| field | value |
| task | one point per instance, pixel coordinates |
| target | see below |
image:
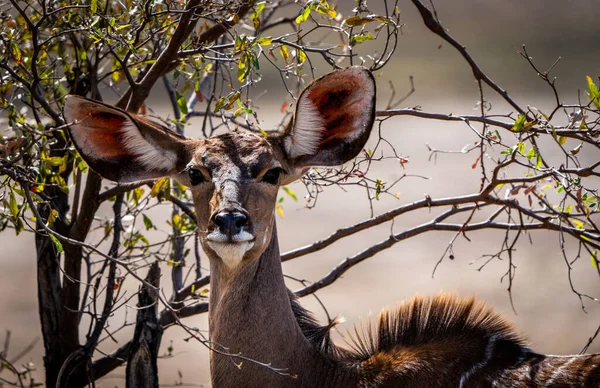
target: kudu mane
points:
(413, 323)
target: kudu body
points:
(234, 178)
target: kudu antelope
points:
(426, 342)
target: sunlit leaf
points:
(52, 217)
(57, 243)
(519, 123)
(593, 93)
(290, 192)
(219, 104)
(303, 16)
(182, 104)
(12, 204)
(356, 39)
(358, 20)
(379, 185)
(284, 53)
(160, 185)
(264, 41)
(301, 56)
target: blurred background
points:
(547, 312)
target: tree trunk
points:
(142, 368)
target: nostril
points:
(240, 220)
(221, 221)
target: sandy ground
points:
(547, 312)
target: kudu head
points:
(233, 177)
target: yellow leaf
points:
(284, 53)
(301, 56)
(52, 217)
(357, 20)
(265, 41)
(159, 186)
(279, 210)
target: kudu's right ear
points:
(121, 146)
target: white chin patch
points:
(231, 252)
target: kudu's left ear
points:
(333, 120)
(121, 146)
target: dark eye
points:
(196, 176)
(272, 176)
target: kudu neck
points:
(250, 314)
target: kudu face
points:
(233, 177)
(234, 180)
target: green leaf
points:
(594, 259)
(57, 243)
(539, 162)
(265, 41)
(519, 123)
(219, 104)
(55, 161)
(356, 39)
(182, 104)
(593, 93)
(379, 185)
(509, 151)
(12, 205)
(303, 16)
(147, 222)
(498, 135)
(290, 192)
(16, 51)
(94, 6)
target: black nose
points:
(230, 223)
